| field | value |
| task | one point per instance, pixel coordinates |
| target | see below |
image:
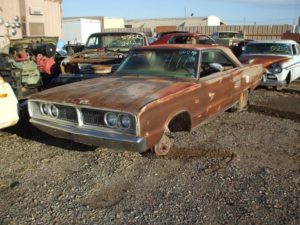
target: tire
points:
(243, 102)
(163, 147)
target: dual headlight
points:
(49, 110)
(118, 120)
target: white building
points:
(77, 30)
(176, 22)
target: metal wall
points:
(255, 32)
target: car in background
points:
(184, 38)
(281, 59)
(102, 53)
(156, 90)
(228, 38)
(161, 34)
(9, 114)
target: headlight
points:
(44, 109)
(111, 119)
(125, 121)
(54, 111)
(276, 68)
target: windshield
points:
(170, 62)
(118, 40)
(268, 48)
(231, 35)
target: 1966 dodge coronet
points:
(156, 90)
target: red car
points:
(184, 38)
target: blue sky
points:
(232, 12)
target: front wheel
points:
(163, 147)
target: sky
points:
(232, 12)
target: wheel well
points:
(181, 122)
(288, 78)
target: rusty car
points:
(281, 59)
(102, 53)
(184, 38)
(9, 114)
(156, 90)
(228, 38)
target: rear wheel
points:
(163, 147)
(242, 103)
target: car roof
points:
(234, 32)
(184, 34)
(117, 32)
(184, 46)
(273, 41)
(192, 47)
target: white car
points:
(280, 58)
(9, 114)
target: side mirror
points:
(216, 67)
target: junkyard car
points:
(228, 38)
(156, 90)
(280, 58)
(8, 105)
(102, 53)
(184, 38)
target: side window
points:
(172, 40)
(93, 42)
(214, 61)
(294, 49)
(215, 36)
(297, 49)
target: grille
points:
(90, 117)
(67, 113)
(93, 117)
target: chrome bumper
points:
(270, 82)
(116, 141)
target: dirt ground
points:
(240, 168)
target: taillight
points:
(3, 93)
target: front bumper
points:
(116, 141)
(272, 80)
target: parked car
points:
(9, 115)
(161, 34)
(102, 53)
(156, 90)
(184, 38)
(228, 38)
(281, 59)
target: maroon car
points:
(184, 38)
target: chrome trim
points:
(79, 121)
(106, 121)
(79, 116)
(117, 141)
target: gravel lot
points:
(240, 168)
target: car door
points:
(215, 94)
(295, 62)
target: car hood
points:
(97, 56)
(265, 60)
(127, 93)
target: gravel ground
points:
(240, 168)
